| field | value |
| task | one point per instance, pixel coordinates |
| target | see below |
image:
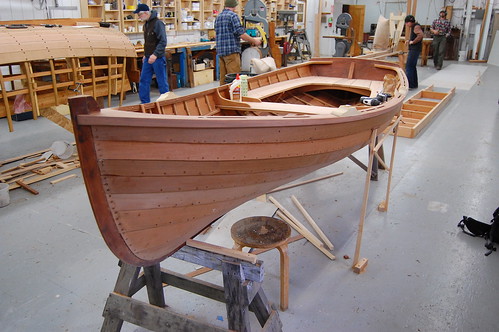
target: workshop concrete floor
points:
(423, 274)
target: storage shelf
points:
(202, 12)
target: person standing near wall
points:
(440, 28)
(229, 32)
(415, 42)
(154, 60)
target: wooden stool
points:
(265, 233)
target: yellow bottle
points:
(235, 89)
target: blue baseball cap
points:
(142, 7)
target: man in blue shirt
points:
(229, 32)
(154, 60)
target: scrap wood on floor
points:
(39, 166)
(291, 220)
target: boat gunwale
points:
(107, 117)
(137, 116)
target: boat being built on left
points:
(44, 65)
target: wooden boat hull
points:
(156, 180)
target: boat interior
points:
(325, 87)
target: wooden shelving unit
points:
(285, 5)
(211, 9)
(166, 12)
(180, 15)
(190, 15)
(96, 11)
(301, 16)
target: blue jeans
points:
(158, 68)
(410, 68)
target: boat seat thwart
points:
(254, 106)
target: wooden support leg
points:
(236, 297)
(364, 201)
(123, 81)
(126, 278)
(260, 307)
(283, 251)
(383, 206)
(6, 102)
(154, 285)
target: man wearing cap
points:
(229, 32)
(440, 28)
(154, 60)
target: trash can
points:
(4, 194)
(230, 77)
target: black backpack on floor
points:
(490, 232)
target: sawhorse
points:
(241, 292)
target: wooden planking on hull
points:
(156, 179)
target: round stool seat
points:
(260, 232)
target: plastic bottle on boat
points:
(244, 85)
(235, 89)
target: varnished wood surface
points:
(36, 42)
(158, 174)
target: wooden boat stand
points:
(241, 291)
(375, 146)
(376, 164)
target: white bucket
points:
(462, 56)
(4, 194)
(62, 149)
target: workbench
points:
(424, 52)
(185, 52)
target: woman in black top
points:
(415, 46)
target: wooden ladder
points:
(241, 292)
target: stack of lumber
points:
(38, 168)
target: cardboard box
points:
(202, 77)
(199, 66)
